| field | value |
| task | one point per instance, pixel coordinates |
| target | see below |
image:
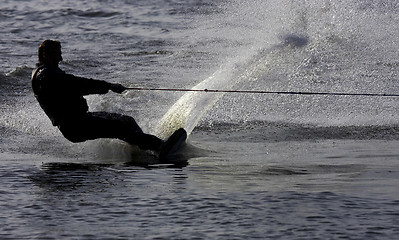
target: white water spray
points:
(188, 110)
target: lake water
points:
(257, 166)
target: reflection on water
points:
(70, 176)
(55, 176)
(204, 200)
(298, 189)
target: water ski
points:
(171, 146)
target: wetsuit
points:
(60, 95)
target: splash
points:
(245, 44)
(189, 109)
(295, 46)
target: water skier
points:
(60, 95)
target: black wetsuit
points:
(60, 95)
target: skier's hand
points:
(118, 88)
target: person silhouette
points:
(61, 96)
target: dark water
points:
(256, 167)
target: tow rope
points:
(264, 92)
